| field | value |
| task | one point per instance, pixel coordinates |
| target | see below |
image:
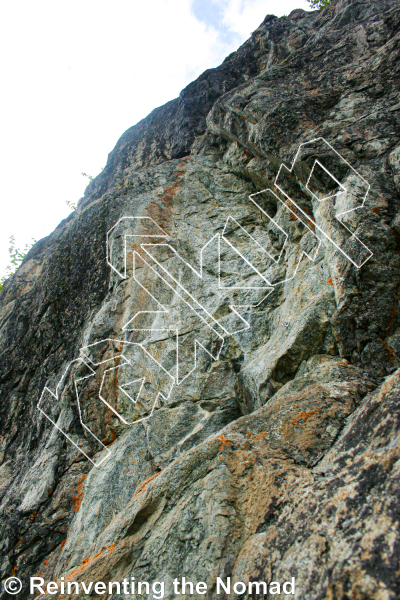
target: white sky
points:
(76, 74)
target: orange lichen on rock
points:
(388, 348)
(393, 313)
(330, 281)
(162, 214)
(304, 416)
(252, 437)
(109, 440)
(77, 498)
(255, 436)
(142, 486)
(33, 517)
(88, 560)
(225, 442)
(295, 256)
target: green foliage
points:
(320, 3)
(88, 176)
(70, 204)
(16, 258)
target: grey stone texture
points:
(280, 459)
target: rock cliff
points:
(271, 448)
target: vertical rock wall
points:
(280, 458)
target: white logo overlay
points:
(12, 585)
(237, 270)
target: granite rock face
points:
(278, 455)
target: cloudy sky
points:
(75, 75)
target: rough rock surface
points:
(281, 458)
